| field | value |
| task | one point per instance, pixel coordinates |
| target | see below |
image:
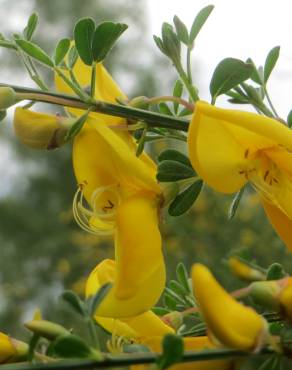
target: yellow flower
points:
(133, 327)
(229, 148)
(11, 350)
(123, 198)
(285, 298)
(231, 323)
(147, 328)
(118, 195)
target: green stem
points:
(134, 359)
(191, 90)
(93, 78)
(153, 119)
(93, 334)
(189, 69)
(270, 102)
(158, 99)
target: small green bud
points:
(265, 293)
(174, 319)
(141, 102)
(46, 329)
(7, 97)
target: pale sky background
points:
(239, 29)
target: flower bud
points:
(40, 131)
(11, 350)
(243, 270)
(230, 322)
(7, 97)
(173, 319)
(141, 102)
(46, 329)
(265, 293)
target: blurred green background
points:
(42, 251)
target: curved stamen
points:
(85, 217)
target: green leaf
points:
(74, 301)
(76, 127)
(160, 311)
(183, 202)
(229, 73)
(289, 119)
(31, 26)
(164, 109)
(273, 362)
(105, 36)
(255, 76)
(177, 92)
(170, 170)
(235, 203)
(70, 346)
(177, 287)
(174, 155)
(173, 350)
(200, 21)
(35, 52)
(169, 301)
(61, 50)
(159, 44)
(83, 36)
(182, 276)
(171, 43)
(72, 57)
(270, 62)
(276, 271)
(94, 301)
(181, 30)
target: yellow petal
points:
(232, 324)
(214, 152)
(270, 130)
(102, 158)
(147, 324)
(140, 270)
(106, 88)
(7, 350)
(280, 221)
